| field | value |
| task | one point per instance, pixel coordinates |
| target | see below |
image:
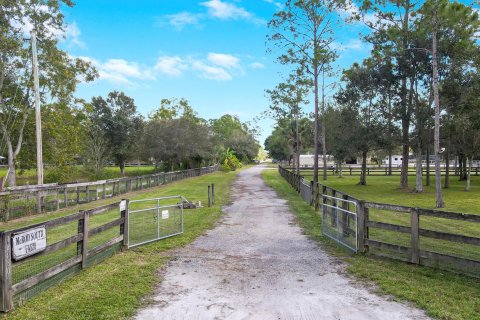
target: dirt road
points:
(257, 264)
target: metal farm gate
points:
(339, 221)
(154, 219)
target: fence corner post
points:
(6, 296)
(124, 226)
(361, 226)
(415, 238)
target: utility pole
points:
(38, 120)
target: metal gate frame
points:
(158, 218)
(338, 226)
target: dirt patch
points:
(257, 264)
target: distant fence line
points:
(27, 200)
(441, 239)
(384, 171)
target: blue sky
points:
(211, 52)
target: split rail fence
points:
(383, 171)
(75, 242)
(22, 201)
(440, 239)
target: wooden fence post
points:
(361, 226)
(414, 224)
(85, 240)
(312, 191)
(124, 226)
(209, 196)
(334, 211)
(213, 194)
(104, 190)
(65, 196)
(6, 296)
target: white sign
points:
(123, 205)
(165, 214)
(29, 242)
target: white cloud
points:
(72, 34)
(182, 19)
(173, 66)
(120, 71)
(276, 4)
(257, 65)
(224, 60)
(211, 72)
(225, 11)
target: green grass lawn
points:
(115, 288)
(78, 173)
(442, 294)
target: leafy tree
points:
(286, 99)
(178, 142)
(64, 132)
(59, 73)
(120, 123)
(304, 31)
(232, 133)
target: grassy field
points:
(79, 174)
(115, 288)
(442, 294)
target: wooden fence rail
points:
(22, 201)
(68, 253)
(382, 171)
(441, 239)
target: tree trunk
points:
(469, 160)
(12, 177)
(340, 168)
(324, 146)
(363, 174)
(464, 167)
(405, 148)
(315, 129)
(418, 174)
(297, 141)
(447, 170)
(436, 99)
(390, 162)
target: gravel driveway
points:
(257, 264)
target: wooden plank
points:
(450, 215)
(124, 227)
(104, 208)
(385, 245)
(105, 246)
(386, 206)
(106, 226)
(53, 223)
(30, 282)
(415, 238)
(388, 226)
(448, 259)
(449, 237)
(361, 226)
(53, 247)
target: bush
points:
(231, 163)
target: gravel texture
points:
(257, 264)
